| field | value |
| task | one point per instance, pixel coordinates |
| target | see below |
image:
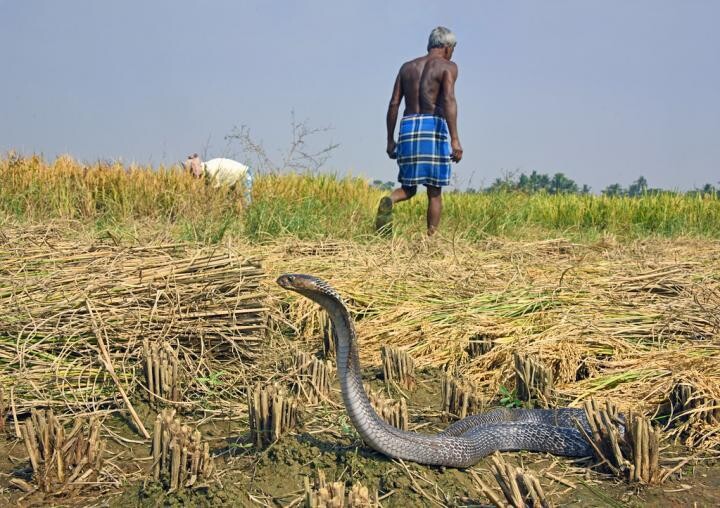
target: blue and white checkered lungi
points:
(423, 151)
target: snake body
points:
(463, 443)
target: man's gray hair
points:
(441, 37)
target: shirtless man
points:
(428, 138)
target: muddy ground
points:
(326, 441)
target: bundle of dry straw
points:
(57, 296)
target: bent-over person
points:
(428, 139)
(222, 172)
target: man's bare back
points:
(421, 82)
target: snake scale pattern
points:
(463, 443)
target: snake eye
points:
(286, 281)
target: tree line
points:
(560, 184)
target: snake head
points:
(297, 281)
(307, 285)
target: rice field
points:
(119, 199)
(140, 306)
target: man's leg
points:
(434, 208)
(403, 193)
(383, 219)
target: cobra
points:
(463, 443)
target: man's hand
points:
(457, 151)
(392, 149)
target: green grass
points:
(115, 199)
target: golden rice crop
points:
(324, 206)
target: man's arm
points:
(450, 109)
(392, 114)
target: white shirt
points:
(224, 171)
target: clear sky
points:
(603, 91)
